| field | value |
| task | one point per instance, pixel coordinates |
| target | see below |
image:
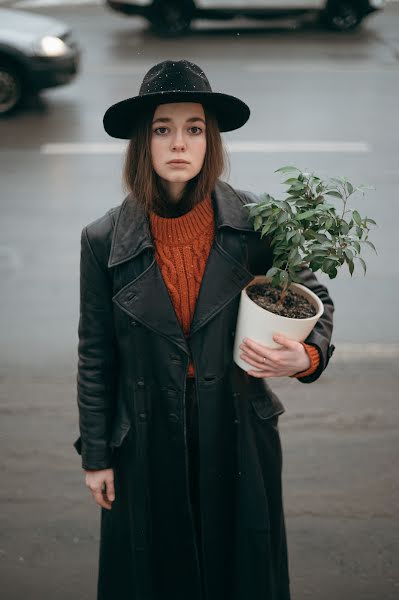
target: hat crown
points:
(173, 76)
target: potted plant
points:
(306, 230)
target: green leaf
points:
(282, 218)
(287, 205)
(351, 266)
(257, 222)
(315, 265)
(305, 215)
(371, 221)
(283, 277)
(359, 232)
(357, 218)
(370, 244)
(265, 229)
(344, 228)
(348, 253)
(334, 194)
(287, 169)
(329, 222)
(300, 203)
(297, 186)
(349, 188)
(266, 212)
(322, 238)
(272, 272)
(297, 238)
(363, 263)
(291, 180)
(295, 193)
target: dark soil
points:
(294, 305)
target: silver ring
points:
(264, 359)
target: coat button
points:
(140, 382)
(133, 323)
(174, 417)
(143, 416)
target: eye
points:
(198, 128)
(158, 128)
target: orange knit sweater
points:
(182, 248)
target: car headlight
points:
(51, 46)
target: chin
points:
(179, 178)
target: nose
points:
(178, 142)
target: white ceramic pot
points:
(260, 325)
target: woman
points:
(181, 447)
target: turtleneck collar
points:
(176, 231)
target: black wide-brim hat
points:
(174, 81)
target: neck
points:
(171, 206)
(174, 190)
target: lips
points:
(178, 162)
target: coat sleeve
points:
(320, 336)
(260, 259)
(96, 374)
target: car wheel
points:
(342, 15)
(10, 89)
(171, 18)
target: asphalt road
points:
(336, 98)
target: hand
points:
(291, 358)
(96, 480)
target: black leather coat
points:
(133, 360)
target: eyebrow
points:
(168, 120)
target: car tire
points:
(171, 18)
(342, 15)
(11, 89)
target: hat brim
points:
(120, 118)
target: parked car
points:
(173, 17)
(36, 52)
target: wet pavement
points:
(59, 171)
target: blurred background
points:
(321, 79)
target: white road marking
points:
(44, 3)
(300, 146)
(234, 147)
(117, 70)
(77, 148)
(320, 68)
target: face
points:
(178, 133)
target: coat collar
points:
(132, 230)
(146, 299)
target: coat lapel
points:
(146, 297)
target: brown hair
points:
(141, 180)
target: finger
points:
(256, 360)
(110, 490)
(263, 373)
(284, 340)
(99, 499)
(260, 349)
